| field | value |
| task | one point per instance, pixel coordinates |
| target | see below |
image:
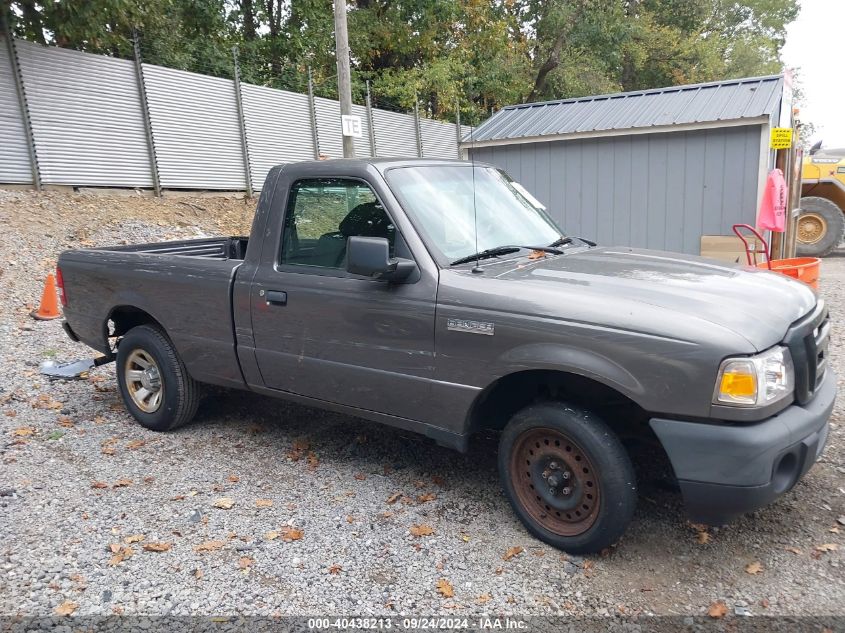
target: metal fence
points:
(73, 118)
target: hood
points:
(755, 304)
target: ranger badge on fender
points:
(473, 327)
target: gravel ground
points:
(322, 505)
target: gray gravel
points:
(79, 479)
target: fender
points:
(574, 361)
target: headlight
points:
(755, 381)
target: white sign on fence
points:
(351, 125)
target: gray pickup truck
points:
(439, 297)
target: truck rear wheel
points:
(820, 227)
(567, 476)
(153, 381)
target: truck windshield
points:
(443, 200)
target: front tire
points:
(155, 386)
(819, 228)
(567, 476)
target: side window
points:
(322, 213)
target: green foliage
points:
(474, 54)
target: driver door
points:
(324, 333)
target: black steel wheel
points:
(567, 476)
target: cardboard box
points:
(728, 248)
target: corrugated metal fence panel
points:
(328, 127)
(396, 133)
(14, 155)
(278, 129)
(195, 129)
(362, 144)
(439, 139)
(86, 117)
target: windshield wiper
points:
(503, 250)
(563, 241)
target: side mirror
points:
(370, 257)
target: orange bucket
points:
(804, 269)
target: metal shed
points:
(655, 168)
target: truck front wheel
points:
(820, 227)
(567, 476)
(153, 381)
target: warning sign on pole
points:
(781, 138)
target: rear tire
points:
(820, 227)
(155, 386)
(567, 476)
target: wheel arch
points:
(123, 318)
(494, 406)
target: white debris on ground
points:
(265, 507)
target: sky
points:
(814, 47)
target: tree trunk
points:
(552, 62)
(248, 12)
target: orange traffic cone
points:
(49, 308)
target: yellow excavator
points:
(821, 222)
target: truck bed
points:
(209, 247)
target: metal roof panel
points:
(746, 98)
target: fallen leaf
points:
(764, 603)
(393, 498)
(513, 551)
(233, 478)
(429, 496)
(135, 444)
(537, 255)
(437, 480)
(107, 446)
(99, 484)
(445, 588)
(23, 431)
(65, 421)
(198, 573)
(271, 536)
(483, 598)
(360, 476)
(263, 503)
(421, 530)
(312, 460)
(122, 483)
(224, 503)
(120, 554)
(350, 518)
(209, 546)
(135, 538)
(587, 565)
(244, 562)
(827, 547)
(702, 537)
(157, 546)
(178, 498)
(717, 610)
(794, 550)
(754, 568)
(835, 529)
(66, 608)
(289, 534)
(335, 569)
(148, 479)
(465, 538)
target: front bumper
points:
(726, 471)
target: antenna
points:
(477, 268)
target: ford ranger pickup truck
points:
(440, 297)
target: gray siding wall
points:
(661, 191)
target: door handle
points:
(276, 297)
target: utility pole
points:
(344, 80)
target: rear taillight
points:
(60, 282)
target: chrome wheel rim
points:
(811, 228)
(143, 381)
